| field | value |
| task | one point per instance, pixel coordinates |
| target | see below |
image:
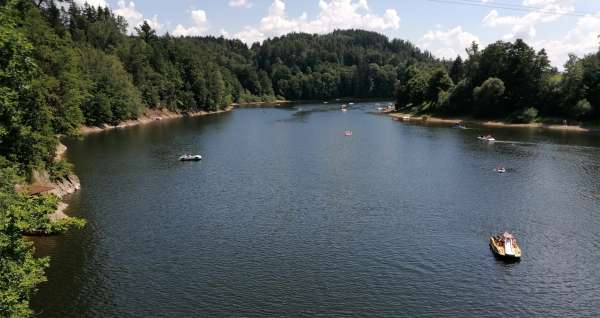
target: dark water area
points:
(286, 216)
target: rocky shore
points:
(150, 116)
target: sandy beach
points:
(487, 123)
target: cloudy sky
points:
(445, 27)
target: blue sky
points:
(445, 27)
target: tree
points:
(488, 96)
(581, 109)
(145, 32)
(20, 272)
(113, 97)
(457, 70)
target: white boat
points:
(344, 110)
(348, 133)
(190, 158)
(486, 138)
(350, 103)
(500, 169)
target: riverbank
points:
(254, 104)
(488, 123)
(150, 116)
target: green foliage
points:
(502, 81)
(112, 96)
(581, 109)
(340, 64)
(59, 170)
(20, 272)
(526, 115)
(488, 97)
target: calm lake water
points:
(286, 216)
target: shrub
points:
(487, 96)
(59, 170)
(581, 109)
(526, 115)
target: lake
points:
(285, 216)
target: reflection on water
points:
(287, 217)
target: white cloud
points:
(240, 3)
(93, 3)
(581, 40)
(249, 35)
(544, 11)
(333, 14)
(134, 17)
(447, 44)
(200, 25)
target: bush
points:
(442, 105)
(526, 115)
(59, 170)
(488, 96)
(581, 109)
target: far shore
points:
(274, 103)
(150, 116)
(153, 115)
(488, 123)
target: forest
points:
(63, 66)
(507, 81)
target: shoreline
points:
(160, 114)
(487, 123)
(252, 104)
(150, 116)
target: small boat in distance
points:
(486, 138)
(459, 126)
(344, 110)
(350, 103)
(189, 157)
(505, 246)
(500, 169)
(348, 133)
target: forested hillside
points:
(504, 81)
(351, 63)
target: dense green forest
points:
(504, 81)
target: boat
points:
(344, 106)
(348, 133)
(486, 138)
(325, 102)
(350, 103)
(500, 169)
(344, 110)
(505, 246)
(459, 126)
(190, 158)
